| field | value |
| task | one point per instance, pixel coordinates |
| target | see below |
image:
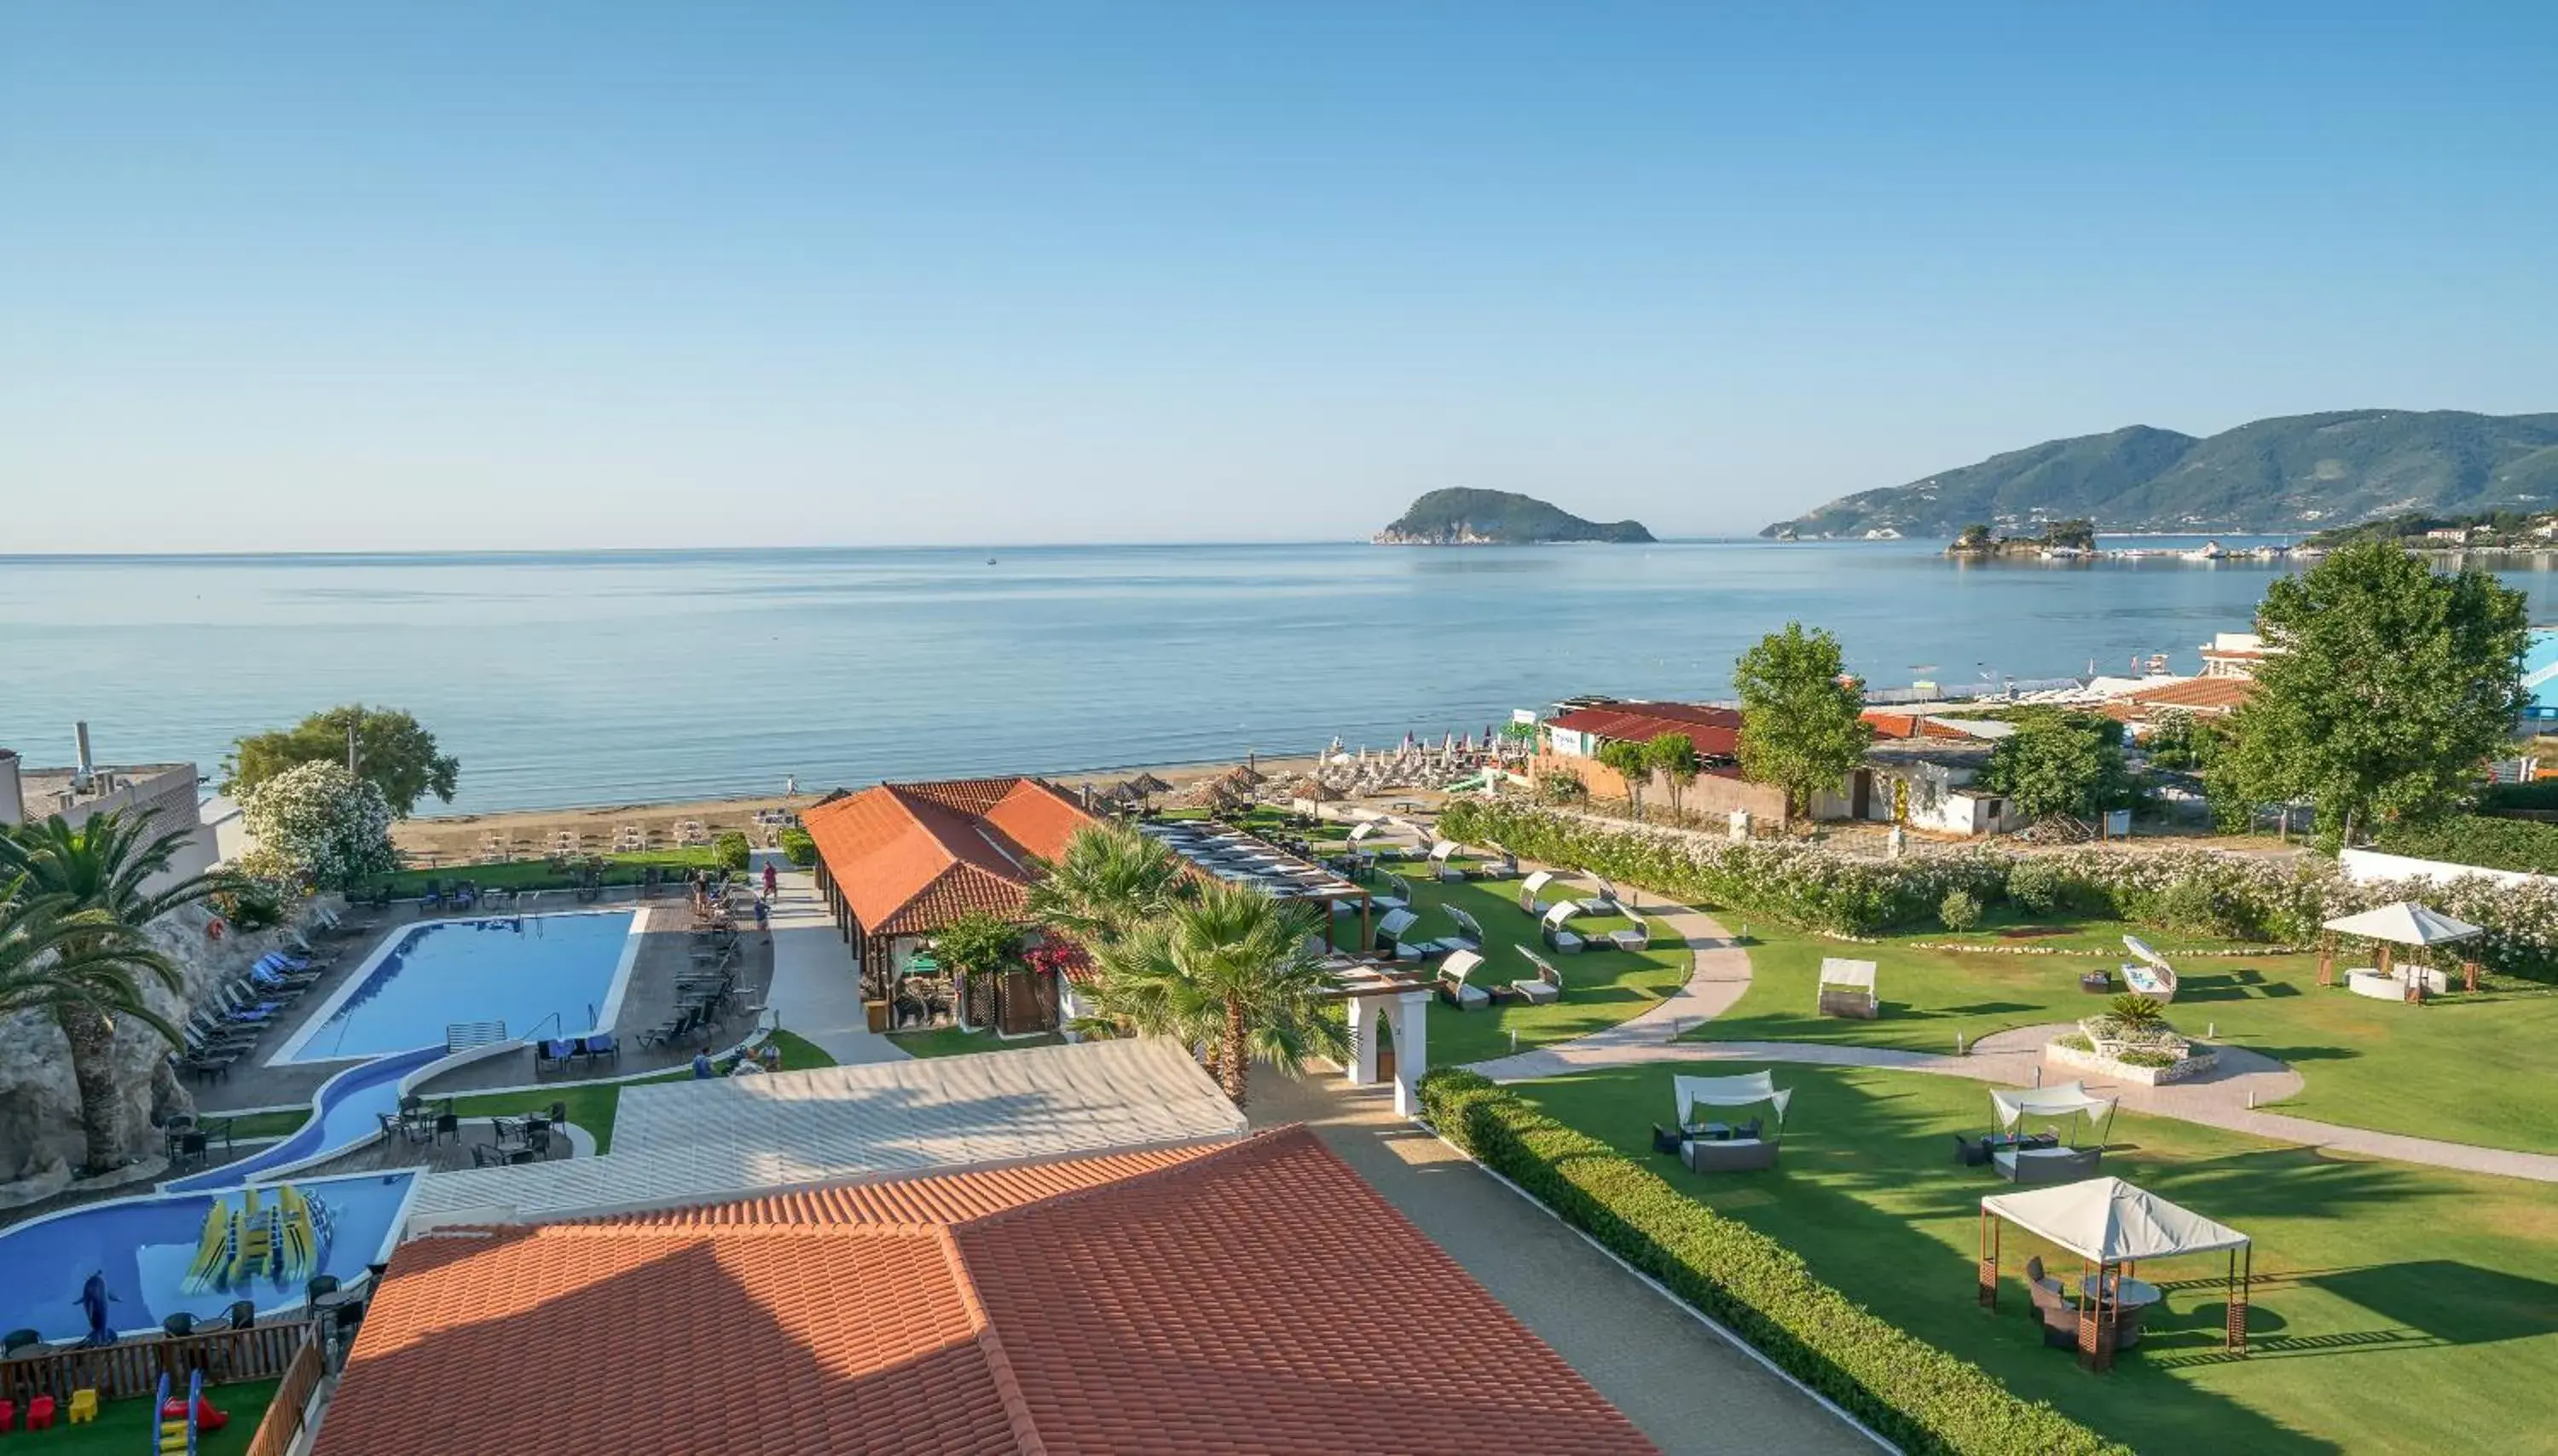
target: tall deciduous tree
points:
(1632, 763)
(1675, 754)
(1800, 723)
(2393, 685)
(105, 868)
(1232, 970)
(394, 752)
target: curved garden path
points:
(2013, 1058)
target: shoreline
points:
(461, 837)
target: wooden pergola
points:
(1221, 850)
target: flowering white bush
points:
(319, 826)
(2192, 891)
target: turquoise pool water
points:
(144, 1246)
(556, 974)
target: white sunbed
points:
(1391, 930)
(1451, 981)
(1545, 986)
(1398, 894)
(1529, 889)
(1637, 936)
(1440, 854)
(1470, 931)
(1604, 902)
(1557, 938)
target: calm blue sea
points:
(615, 677)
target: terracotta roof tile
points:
(1716, 732)
(913, 858)
(1133, 1304)
(2199, 694)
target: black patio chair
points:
(242, 1314)
(17, 1340)
(178, 1326)
(1665, 1140)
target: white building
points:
(169, 793)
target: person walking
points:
(771, 880)
(764, 918)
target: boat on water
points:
(2208, 551)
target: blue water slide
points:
(345, 1110)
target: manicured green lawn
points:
(2366, 1063)
(1600, 987)
(591, 1106)
(2397, 1309)
(128, 1427)
(950, 1041)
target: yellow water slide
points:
(213, 1263)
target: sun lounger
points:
(600, 1047)
(552, 1055)
(1529, 890)
(1545, 987)
(2031, 1165)
(1636, 937)
(1452, 987)
(1391, 932)
(1441, 853)
(1399, 895)
(1470, 931)
(1550, 927)
(1604, 902)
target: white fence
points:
(2362, 866)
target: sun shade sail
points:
(2405, 923)
(1730, 1092)
(2067, 1099)
(2110, 1221)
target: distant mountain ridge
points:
(1461, 517)
(2294, 472)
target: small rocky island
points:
(2058, 538)
(1460, 517)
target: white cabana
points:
(2405, 924)
(2061, 1100)
(1846, 988)
(1604, 902)
(1730, 1092)
(2148, 972)
(1453, 985)
(2023, 1158)
(1531, 887)
(1550, 925)
(2113, 1226)
(1442, 856)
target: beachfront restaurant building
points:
(900, 863)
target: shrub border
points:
(1914, 1395)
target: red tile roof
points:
(914, 857)
(2198, 695)
(1229, 1299)
(1716, 732)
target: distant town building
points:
(2235, 654)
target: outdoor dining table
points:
(2128, 1290)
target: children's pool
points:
(146, 1248)
(559, 975)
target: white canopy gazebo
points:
(2112, 1226)
(1721, 1148)
(2020, 1162)
(1846, 988)
(2404, 924)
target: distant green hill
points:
(2297, 472)
(1460, 517)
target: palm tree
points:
(1110, 880)
(41, 967)
(1231, 970)
(105, 865)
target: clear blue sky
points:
(486, 274)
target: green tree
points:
(318, 825)
(392, 753)
(51, 956)
(105, 868)
(1802, 727)
(1231, 970)
(1675, 754)
(978, 945)
(1633, 764)
(2178, 739)
(2058, 763)
(1109, 879)
(1974, 537)
(2394, 685)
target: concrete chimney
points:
(13, 808)
(82, 767)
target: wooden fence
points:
(132, 1367)
(283, 1422)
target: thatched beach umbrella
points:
(1147, 783)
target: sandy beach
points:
(463, 838)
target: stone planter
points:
(2197, 1063)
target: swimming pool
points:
(145, 1248)
(557, 974)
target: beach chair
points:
(1392, 931)
(601, 1047)
(1399, 895)
(552, 1055)
(1543, 988)
(1469, 932)
(1550, 927)
(1441, 855)
(1532, 891)
(1453, 988)
(1604, 902)
(1636, 937)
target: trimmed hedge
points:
(799, 847)
(2467, 839)
(732, 850)
(1914, 1395)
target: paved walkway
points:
(1688, 1388)
(816, 991)
(2226, 1099)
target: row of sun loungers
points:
(229, 1022)
(564, 1053)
